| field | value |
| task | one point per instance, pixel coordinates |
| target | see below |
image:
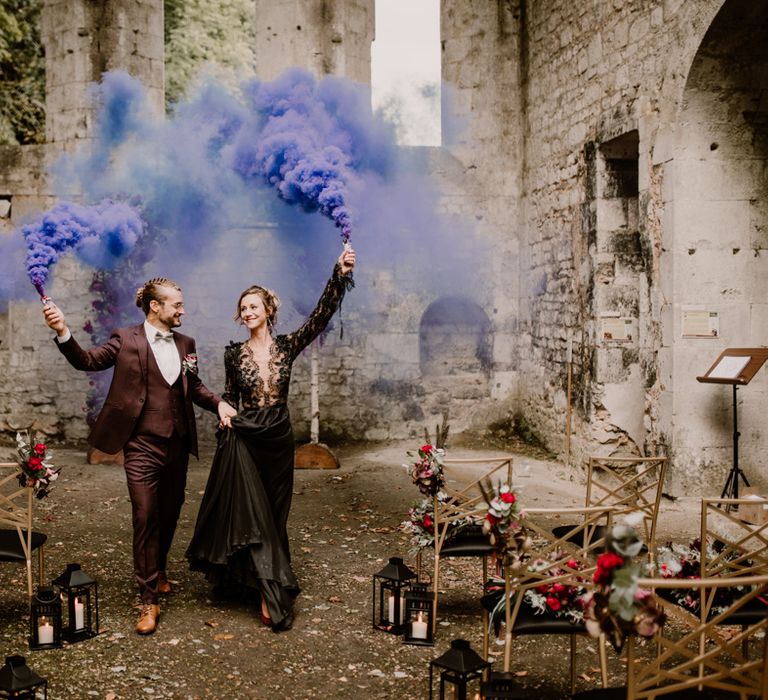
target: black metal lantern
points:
(20, 682)
(502, 686)
(45, 619)
(80, 593)
(389, 588)
(458, 667)
(419, 610)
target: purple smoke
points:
(100, 235)
(308, 141)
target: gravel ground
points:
(344, 525)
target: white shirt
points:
(165, 352)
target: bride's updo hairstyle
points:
(268, 297)
(151, 292)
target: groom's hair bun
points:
(150, 291)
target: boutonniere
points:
(189, 363)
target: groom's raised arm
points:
(93, 360)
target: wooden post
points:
(314, 395)
(314, 455)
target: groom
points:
(148, 414)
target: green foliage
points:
(22, 73)
(212, 35)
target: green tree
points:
(22, 73)
(213, 35)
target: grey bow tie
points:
(159, 335)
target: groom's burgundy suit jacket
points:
(128, 351)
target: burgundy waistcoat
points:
(164, 408)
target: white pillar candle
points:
(419, 628)
(79, 615)
(391, 609)
(45, 631)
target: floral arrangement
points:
(684, 562)
(560, 600)
(37, 472)
(189, 363)
(427, 469)
(421, 524)
(503, 524)
(618, 606)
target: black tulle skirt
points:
(240, 536)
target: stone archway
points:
(454, 342)
(716, 247)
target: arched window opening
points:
(454, 339)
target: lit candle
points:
(79, 616)
(45, 631)
(419, 627)
(391, 612)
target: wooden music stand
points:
(735, 366)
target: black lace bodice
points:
(244, 382)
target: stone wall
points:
(327, 37)
(599, 72)
(611, 159)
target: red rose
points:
(572, 564)
(491, 518)
(35, 463)
(508, 497)
(39, 449)
(553, 603)
(558, 588)
(606, 563)
(426, 449)
(427, 522)
(543, 588)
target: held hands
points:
(347, 261)
(55, 318)
(225, 414)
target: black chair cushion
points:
(468, 542)
(754, 611)
(530, 621)
(10, 545)
(580, 539)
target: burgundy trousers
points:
(156, 470)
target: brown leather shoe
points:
(148, 618)
(164, 586)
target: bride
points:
(241, 536)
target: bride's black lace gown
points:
(241, 535)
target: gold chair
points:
(687, 662)
(17, 539)
(463, 502)
(632, 485)
(736, 549)
(566, 564)
(739, 548)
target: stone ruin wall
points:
(603, 77)
(557, 94)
